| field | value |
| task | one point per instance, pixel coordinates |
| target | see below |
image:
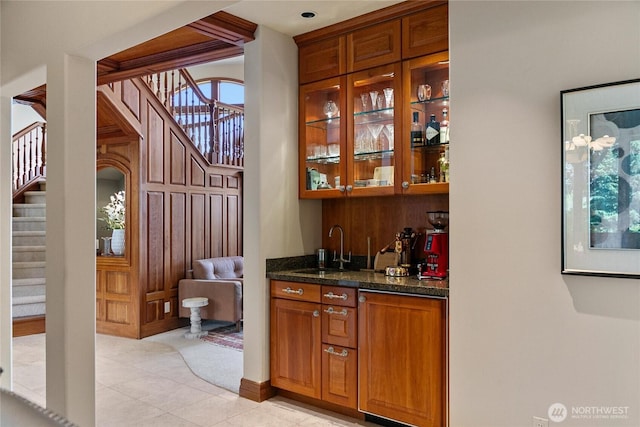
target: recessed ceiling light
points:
(308, 14)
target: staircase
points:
(28, 281)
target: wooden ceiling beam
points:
(226, 27)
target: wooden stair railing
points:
(29, 157)
(215, 128)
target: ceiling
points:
(284, 16)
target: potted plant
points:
(114, 217)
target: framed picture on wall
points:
(601, 180)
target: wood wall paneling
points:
(217, 225)
(178, 236)
(178, 161)
(131, 97)
(155, 146)
(216, 180)
(197, 173)
(198, 226)
(233, 221)
(155, 242)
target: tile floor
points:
(142, 383)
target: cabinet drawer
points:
(340, 375)
(373, 46)
(295, 290)
(336, 295)
(340, 325)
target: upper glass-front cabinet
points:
(371, 132)
(322, 138)
(426, 125)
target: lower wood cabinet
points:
(313, 345)
(402, 358)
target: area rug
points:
(220, 365)
(225, 336)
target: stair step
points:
(35, 197)
(29, 291)
(33, 223)
(28, 270)
(34, 281)
(29, 306)
(29, 209)
(29, 253)
(29, 238)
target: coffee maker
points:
(436, 247)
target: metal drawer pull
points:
(316, 313)
(331, 295)
(344, 353)
(291, 291)
(330, 310)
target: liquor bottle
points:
(444, 127)
(432, 133)
(417, 135)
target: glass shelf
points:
(444, 99)
(387, 111)
(434, 147)
(333, 122)
(373, 155)
(323, 159)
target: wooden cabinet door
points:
(340, 375)
(339, 325)
(296, 346)
(402, 355)
(321, 60)
(373, 46)
(426, 32)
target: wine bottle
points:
(417, 135)
(432, 133)
(444, 127)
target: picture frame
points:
(601, 180)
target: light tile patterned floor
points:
(142, 383)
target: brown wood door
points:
(374, 46)
(321, 60)
(402, 351)
(296, 346)
(425, 32)
(340, 375)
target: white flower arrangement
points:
(114, 212)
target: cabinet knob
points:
(362, 298)
(341, 188)
(316, 313)
(405, 184)
(349, 188)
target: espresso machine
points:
(436, 247)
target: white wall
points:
(276, 223)
(522, 335)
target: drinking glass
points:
(364, 96)
(374, 99)
(388, 131)
(330, 109)
(388, 96)
(424, 92)
(375, 130)
(445, 88)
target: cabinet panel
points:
(373, 46)
(340, 375)
(295, 346)
(340, 325)
(425, 32)
(402, 352)
(296, 291)
(321, 60)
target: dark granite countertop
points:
(368, 280)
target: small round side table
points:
(196, 321)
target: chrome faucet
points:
(342, 260)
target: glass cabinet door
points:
(426, 125)
(322, 139)
(371, 134)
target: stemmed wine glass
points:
(375, 130)
(364, 96)
(374, 99)
(388, 131)
(388, 96)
